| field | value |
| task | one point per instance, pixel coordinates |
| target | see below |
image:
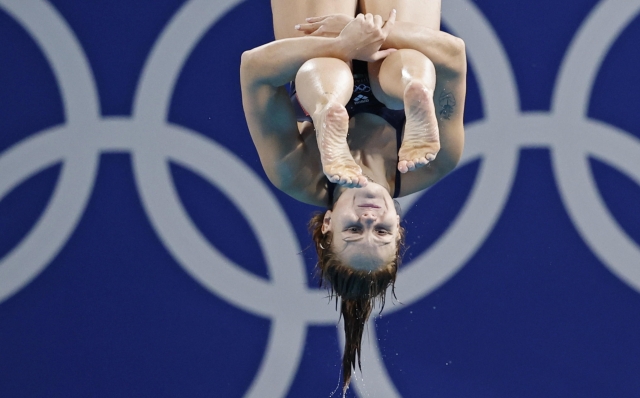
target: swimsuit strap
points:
(331, 186)
(396, 189)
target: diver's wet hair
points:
(358, 290)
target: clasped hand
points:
(361, 37)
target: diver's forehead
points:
(367, 260)
(363, 253)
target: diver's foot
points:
(421, 141)
(332, 126)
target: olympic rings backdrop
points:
(144, 254)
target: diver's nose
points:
(368, 217)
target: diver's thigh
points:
(390, 76)
(288, 13)
(422, 12)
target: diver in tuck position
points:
(374, 111)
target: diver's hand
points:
(325, 26)
(362, 37)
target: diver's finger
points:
(390, 22)
(307, 27)
(377, 19)
(382, 54)
(317, 19)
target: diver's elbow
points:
(448, 161)
(247, 59)
(458, 46)
(457, 56)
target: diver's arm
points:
(447, 52)
(277, 63)
(448, 55)
(290, 163)
(449, 99)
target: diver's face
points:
(365, 227)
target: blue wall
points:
(143, 252)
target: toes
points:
(356, 181)
(402, 166)
(416, 163)
(353, 183)
(349, 181)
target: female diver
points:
(348, 131)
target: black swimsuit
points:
(362, 101)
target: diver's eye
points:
(353, 229)
(382, 231)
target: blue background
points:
(533, 313)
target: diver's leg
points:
(324, 86)
(406, 79)
(288, 13)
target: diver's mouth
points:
(369, 205)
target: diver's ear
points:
(326, 222)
